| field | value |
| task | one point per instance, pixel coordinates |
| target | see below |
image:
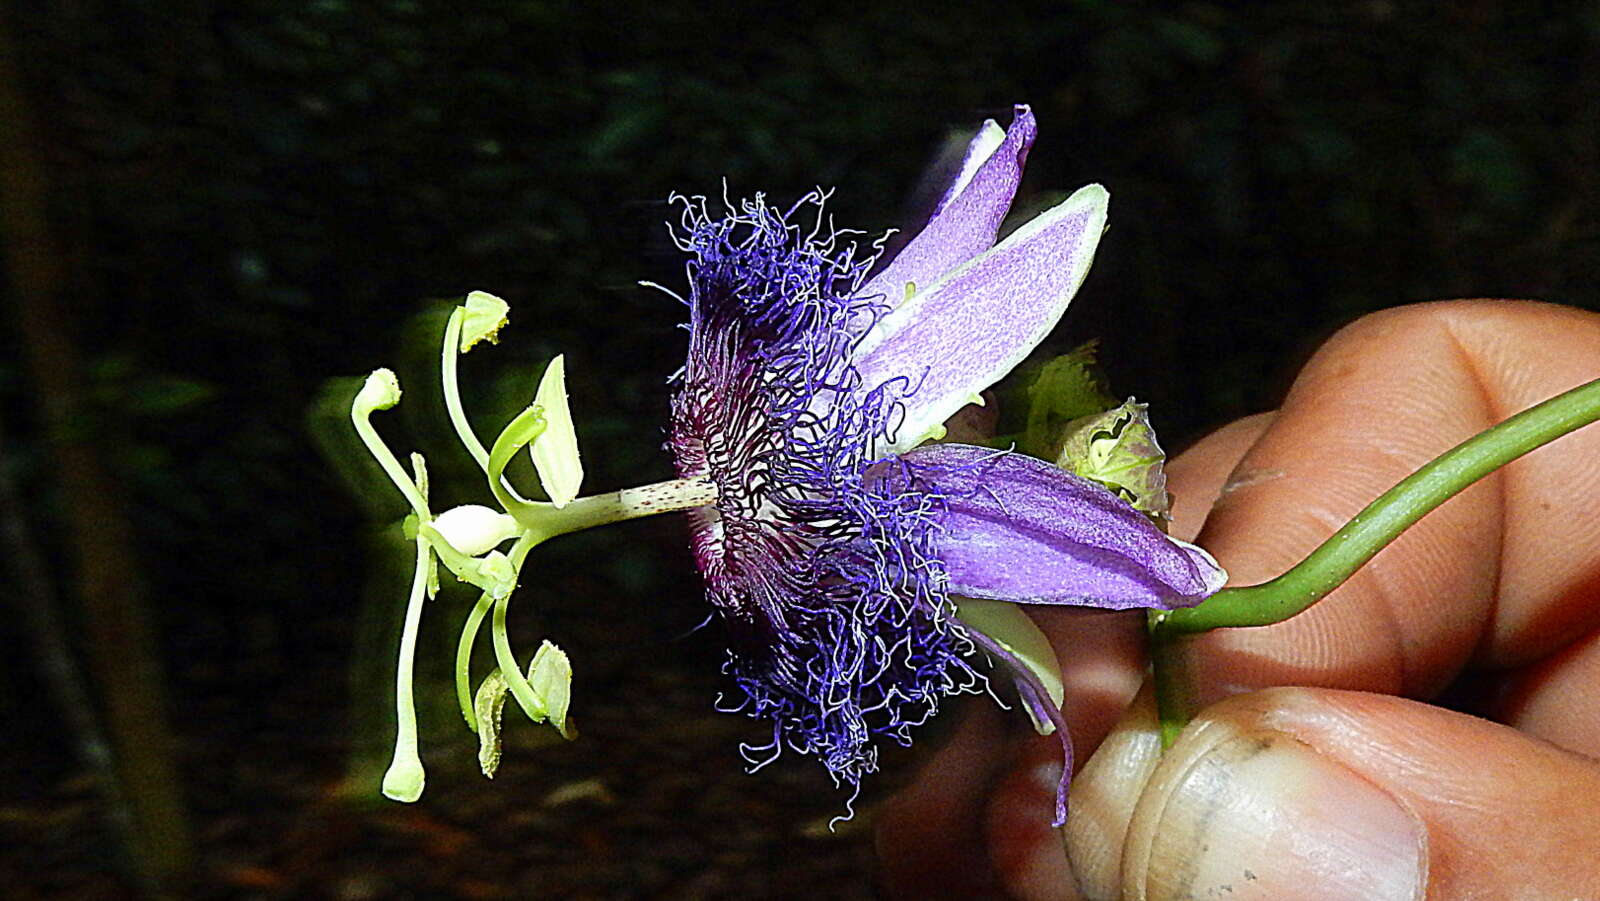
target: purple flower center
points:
(825, 574)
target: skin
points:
(1458, 673)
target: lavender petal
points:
(1019, 529)
(961, 335)
(965, 222)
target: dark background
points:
(212, 209)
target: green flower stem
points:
(1385, 518)
(1363, 537)
(405, 777)
(452, 391)
(1174, 701)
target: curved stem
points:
(1385, 518)
(469, 637)
(526, 697)
(452, 391)
(1327, 567)
(397, 474)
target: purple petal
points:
(966, 220)
(1019, 529)
(961, 335)
(1037, 699)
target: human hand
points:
(1349, 786)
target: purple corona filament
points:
(834, 597)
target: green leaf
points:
(1015, 631)
(485, 315)
(555, 452)
(1118, 449)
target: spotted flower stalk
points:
(856, 569)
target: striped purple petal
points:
(1019, 529)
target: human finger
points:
(1317, 793)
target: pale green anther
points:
(488, 705)
(1118, 449)
(419, 471)
(550, 680)
(380, 391)
(1015, 631)
(555, 452)
(550, 674)
(485, 315)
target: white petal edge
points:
(988, 139)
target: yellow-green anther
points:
(549, 682)
(419, 471)
(485, 315)
(555, 452)
(489, 704)
(1015, 631)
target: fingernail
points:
(1264, 816)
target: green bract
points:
(1118, 449)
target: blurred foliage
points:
(262, 195)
